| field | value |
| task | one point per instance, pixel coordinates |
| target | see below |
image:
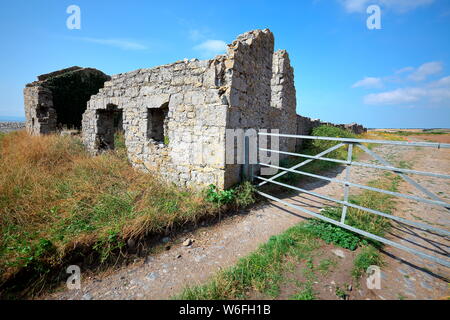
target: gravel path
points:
(220, 246)
(407, 276)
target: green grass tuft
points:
(305, 294)
(367, 257)
(334, 234)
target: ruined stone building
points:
(174, 117)
(58, 99)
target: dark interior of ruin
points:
(71, 91)
(110, 123)
(157, 122)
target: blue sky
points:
(398, 76)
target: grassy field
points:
(57, 201)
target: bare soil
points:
(441, 138)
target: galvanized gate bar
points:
(392, 193)
(304, 162)
(406, 178)
(361, 232)
(347, 184)
(398, 143)
(352, 205)
(362, 164)
(347, 178)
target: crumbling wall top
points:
(45, 76)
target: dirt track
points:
(220, 246)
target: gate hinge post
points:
(347, 178)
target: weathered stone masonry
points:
(174, 117)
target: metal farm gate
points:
(384, 165)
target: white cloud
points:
(425, 70)
(429, 93)
(354, 5)
(210, 48)
(434, 93)
(398, 96)
(368, 82)
(399, 6)
(118, 43)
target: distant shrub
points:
(318, 146)
(313, 147)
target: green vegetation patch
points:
(334, 234)
(368, 256)
(261, 271)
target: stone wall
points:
(284, 97)
(262, 93)
(305, 126)
(192, 149)
(58, 99)
(39, 112)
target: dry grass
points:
(55, 198)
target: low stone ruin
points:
(9, 126)
(305, 126)
(175, 117)
(58, 99)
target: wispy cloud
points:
(368, 82)
(196, 35)
(423, 96)
(210, 48)
(118, 43)
(398, 96)
(443, 82)
(354, 5)
(399, 6)
(404, 70)
(426, 70)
